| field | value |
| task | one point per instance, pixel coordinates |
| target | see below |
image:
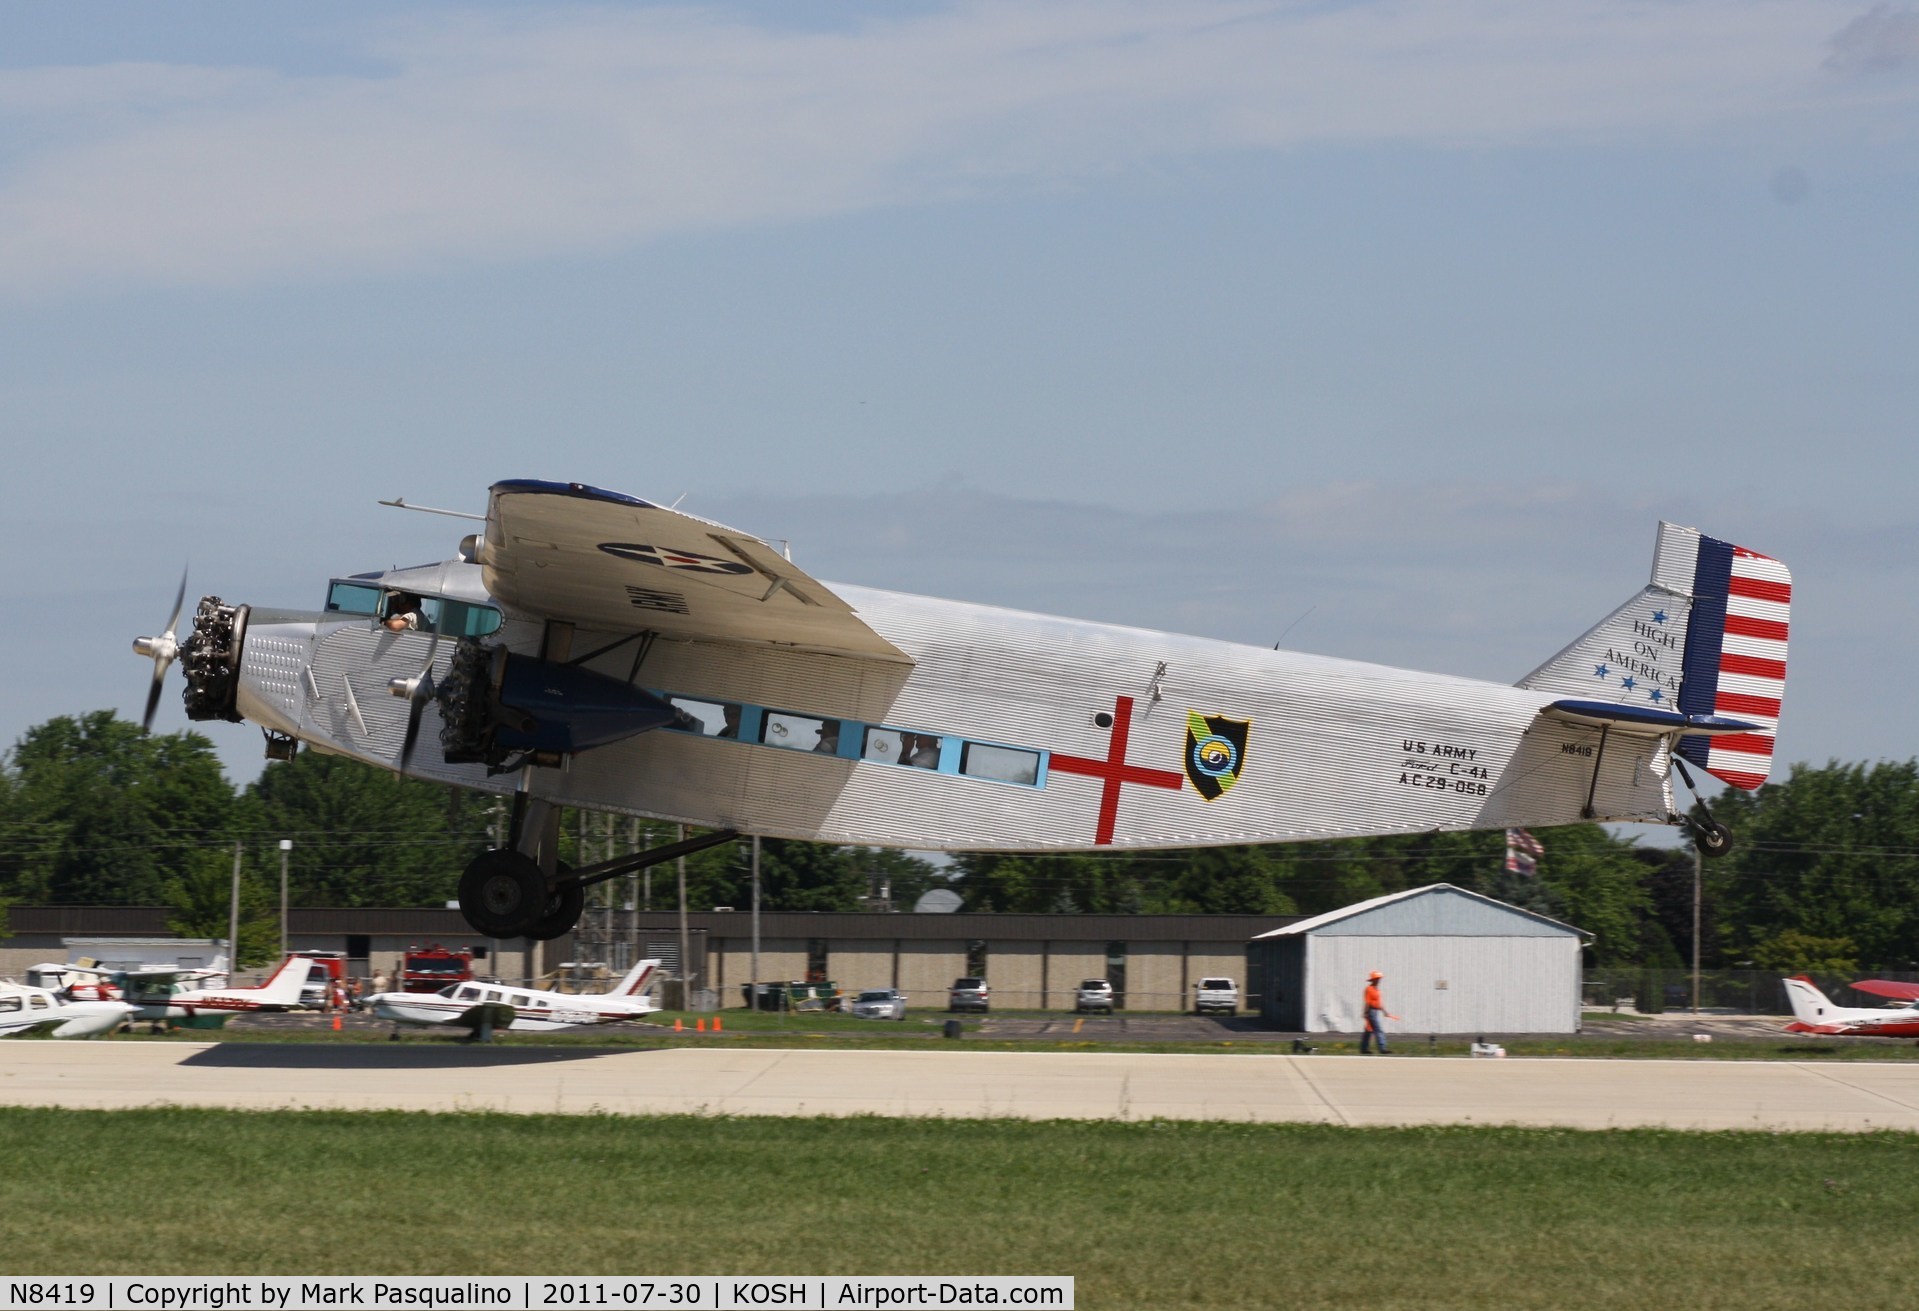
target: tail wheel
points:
(1712, 838)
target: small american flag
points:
(1523, 851)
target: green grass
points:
(1143, 1214)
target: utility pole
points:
(286, 846)
(686, 975)
(756, 922)
(233, 920)
(1698, 865)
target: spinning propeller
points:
(416, 691)
(162, 650)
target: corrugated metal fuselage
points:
(1329, 747)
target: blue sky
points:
(1397, 325)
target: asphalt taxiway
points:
(958, 1084)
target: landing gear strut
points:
(1711, 838)
(504, 893)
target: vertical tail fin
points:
(636, 980)
(284, 985)
(1809, 1005)
(1706, 636)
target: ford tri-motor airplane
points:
(594, 650)
(481, 1008)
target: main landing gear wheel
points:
(563, 909)
(1712, 838)
(502, 892)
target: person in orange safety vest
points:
(1375, 1007)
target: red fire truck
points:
(429, 969)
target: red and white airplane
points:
(160, 1001)
(1813, 1013)
(482, 1008)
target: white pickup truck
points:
(1216, 995)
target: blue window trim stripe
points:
(852, 744)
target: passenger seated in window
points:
(731, 728)
(403, 613)
(920, 750)
(829, 743)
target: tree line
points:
(1824, 873)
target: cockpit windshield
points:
(434, 614)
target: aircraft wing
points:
(496, 1013)
(603, 560)
(1889, 988)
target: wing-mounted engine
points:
(210, 658)
(503, 709)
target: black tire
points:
(503, 894)
(1712, 838)
(563, 910)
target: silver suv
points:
(1094, 995)
(968, 995)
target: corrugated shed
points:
(1438, 908)
(1454, 962)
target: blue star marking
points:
(1656, 695)
(1659, 616)
(1628, 683)
(1600, 671)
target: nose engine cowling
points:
(210, 658)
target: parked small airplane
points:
(160, 998)
(595, 650)
(24, 1008)
(484, 1007)
(1813, 1013)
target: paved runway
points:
(1698, 1094)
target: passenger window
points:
(709, 718)
(801, 733)
(892, 746)
(469, 993)
(1002, 764)
(353, 598)
(492, 994)
(9, 1003)
(38, 1002)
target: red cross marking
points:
(1114, 770)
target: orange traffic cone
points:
(677, 1026)
(716, 1024)
(700, 1025)
(336, 1024)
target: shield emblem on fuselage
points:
(1215, 752)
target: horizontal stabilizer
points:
(1888, 988)
(1643, 719)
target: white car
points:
(1216, 995)
(880, 1004)
(1094, 995)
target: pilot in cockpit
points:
(403, 612)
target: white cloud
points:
(568, 130)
